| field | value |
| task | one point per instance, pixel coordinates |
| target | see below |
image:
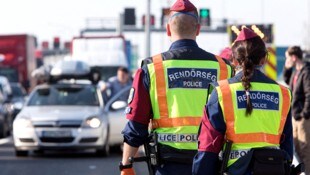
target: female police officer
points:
(249, 109)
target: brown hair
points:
(123, 69)
(249, 54)
(184, 24)
(295, 50)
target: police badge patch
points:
(131, 94)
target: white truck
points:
(103, 53)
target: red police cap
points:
(246, 34)
(226, 53)
(183, 6)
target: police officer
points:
(170, 89)
(250, 109)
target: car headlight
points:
(22, 123)
(92, 122)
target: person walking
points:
(170, 90)
(299, 82)
(244, 113)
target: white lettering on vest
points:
(192, 84)
(177, 137)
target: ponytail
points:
(248, 53)
(248, 69)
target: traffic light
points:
(56, 42)
(130, 16)
(45, 45)
(265, 31)
(205, 17)
(152, 20)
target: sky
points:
(65, 18)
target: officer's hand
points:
(128, 171)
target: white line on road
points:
(92, 167)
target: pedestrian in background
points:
(250, 110)
(116, 84)
(297, 76)
(170, 89)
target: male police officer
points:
(171, 89)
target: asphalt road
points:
(60, 163)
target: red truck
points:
(17, 58)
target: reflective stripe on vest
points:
(223, 68)
(161, 86)
(250, 137)
(165, 120)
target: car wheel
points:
(20, 153)
(103, 152)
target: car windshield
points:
(72, 96)
(17, 91)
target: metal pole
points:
(120, 26)
(308, 26)
(263, 10)
(148, 29)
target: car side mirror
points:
(118, 105)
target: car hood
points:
(39, 113)
(18, 99)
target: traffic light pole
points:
(148, 29)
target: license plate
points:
(56, 134)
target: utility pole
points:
(148, 29)
(308, 27)
(263, 10)
(120, 25)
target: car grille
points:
(27, 140)
(57, 124)
(89, 140)
(57, 140)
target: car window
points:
(75, 96)
(17, 91)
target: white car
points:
(68, 115)
(62, 116)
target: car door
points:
(117, 119)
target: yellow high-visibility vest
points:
(264, 127)
(178, 93)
